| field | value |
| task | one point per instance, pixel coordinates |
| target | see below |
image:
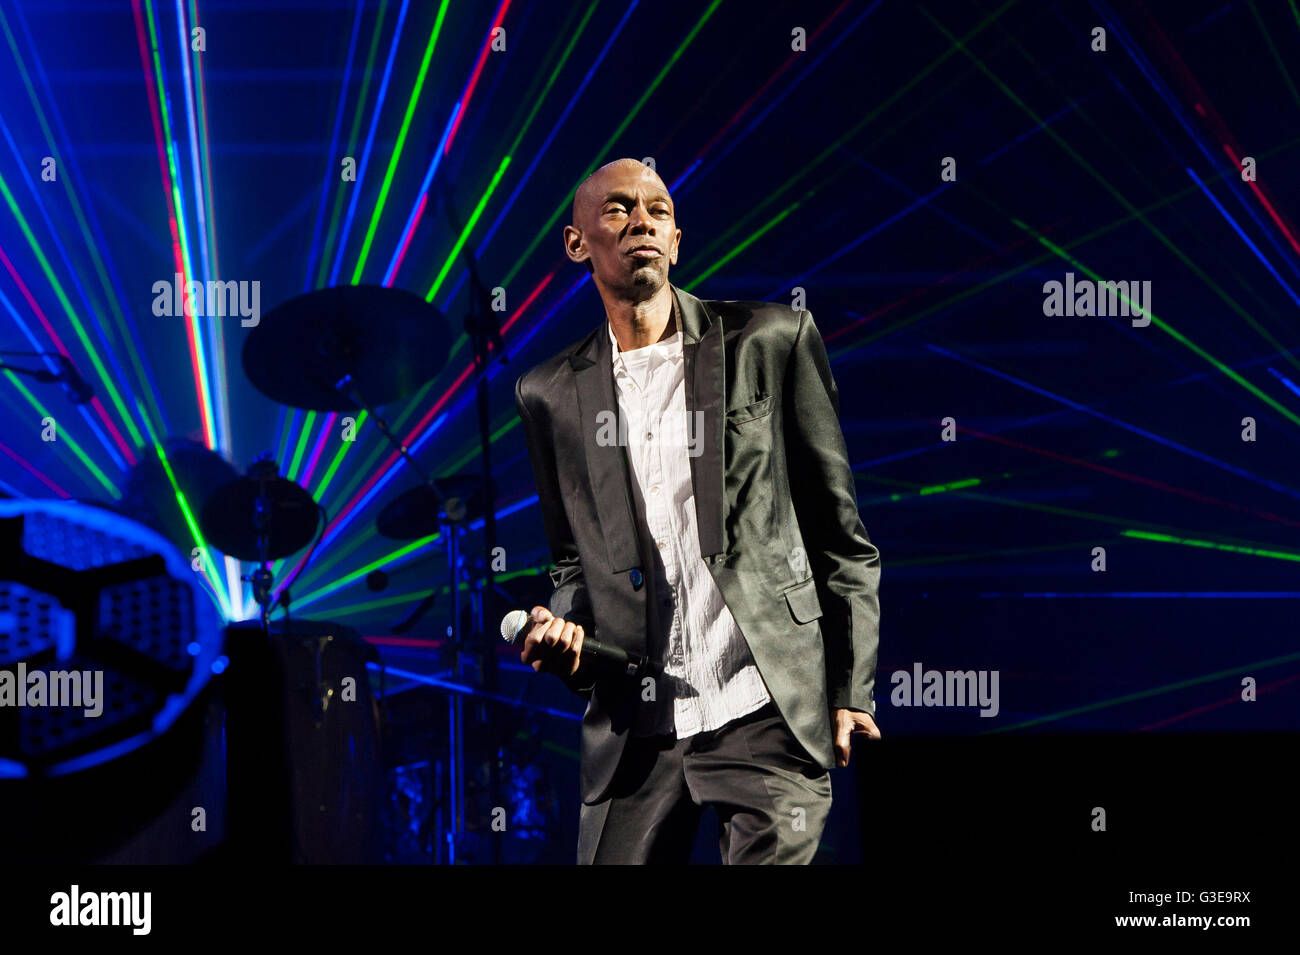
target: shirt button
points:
(655, 489)
(649, 435)
(660, 544)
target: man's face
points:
(626, 228)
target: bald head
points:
(589, 190)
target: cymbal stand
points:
(483, 328)
(261, 578)
(344, 386)
(455, 702)
(455, 511)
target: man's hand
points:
(553, 645)
(849, 723)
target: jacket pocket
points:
(803, 602)
(751, 411)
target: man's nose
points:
(639, 218)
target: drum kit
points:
(345, 349)
(349, 349)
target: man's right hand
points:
(553, 645)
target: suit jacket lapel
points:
(705, 364)
(607, 464)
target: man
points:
(700, 508)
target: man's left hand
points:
(849, 723)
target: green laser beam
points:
(1115, 193)
(1146, 694)
(1049, 509)
(91, 245)
(401, 141)
(1173, 333)
(970, 291)
(351, 141)
(1231, 548)
(602, 150)
(63, 437)
(468, 228)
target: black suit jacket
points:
(775, 505)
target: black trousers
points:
(770, 796)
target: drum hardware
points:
(79, 390)
(262, 517)
(357, 348)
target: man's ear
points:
(571, 233)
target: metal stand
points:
(483, 329)
(455, 703)
(455, 510)
(66, 374)
(262, 579)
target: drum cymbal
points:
(415, 513)
(229, 519)
(150, 498)
(389, 340)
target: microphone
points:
(78, 388)
(517, 622)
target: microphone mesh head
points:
(512, 624)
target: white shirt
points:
(710, 677)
